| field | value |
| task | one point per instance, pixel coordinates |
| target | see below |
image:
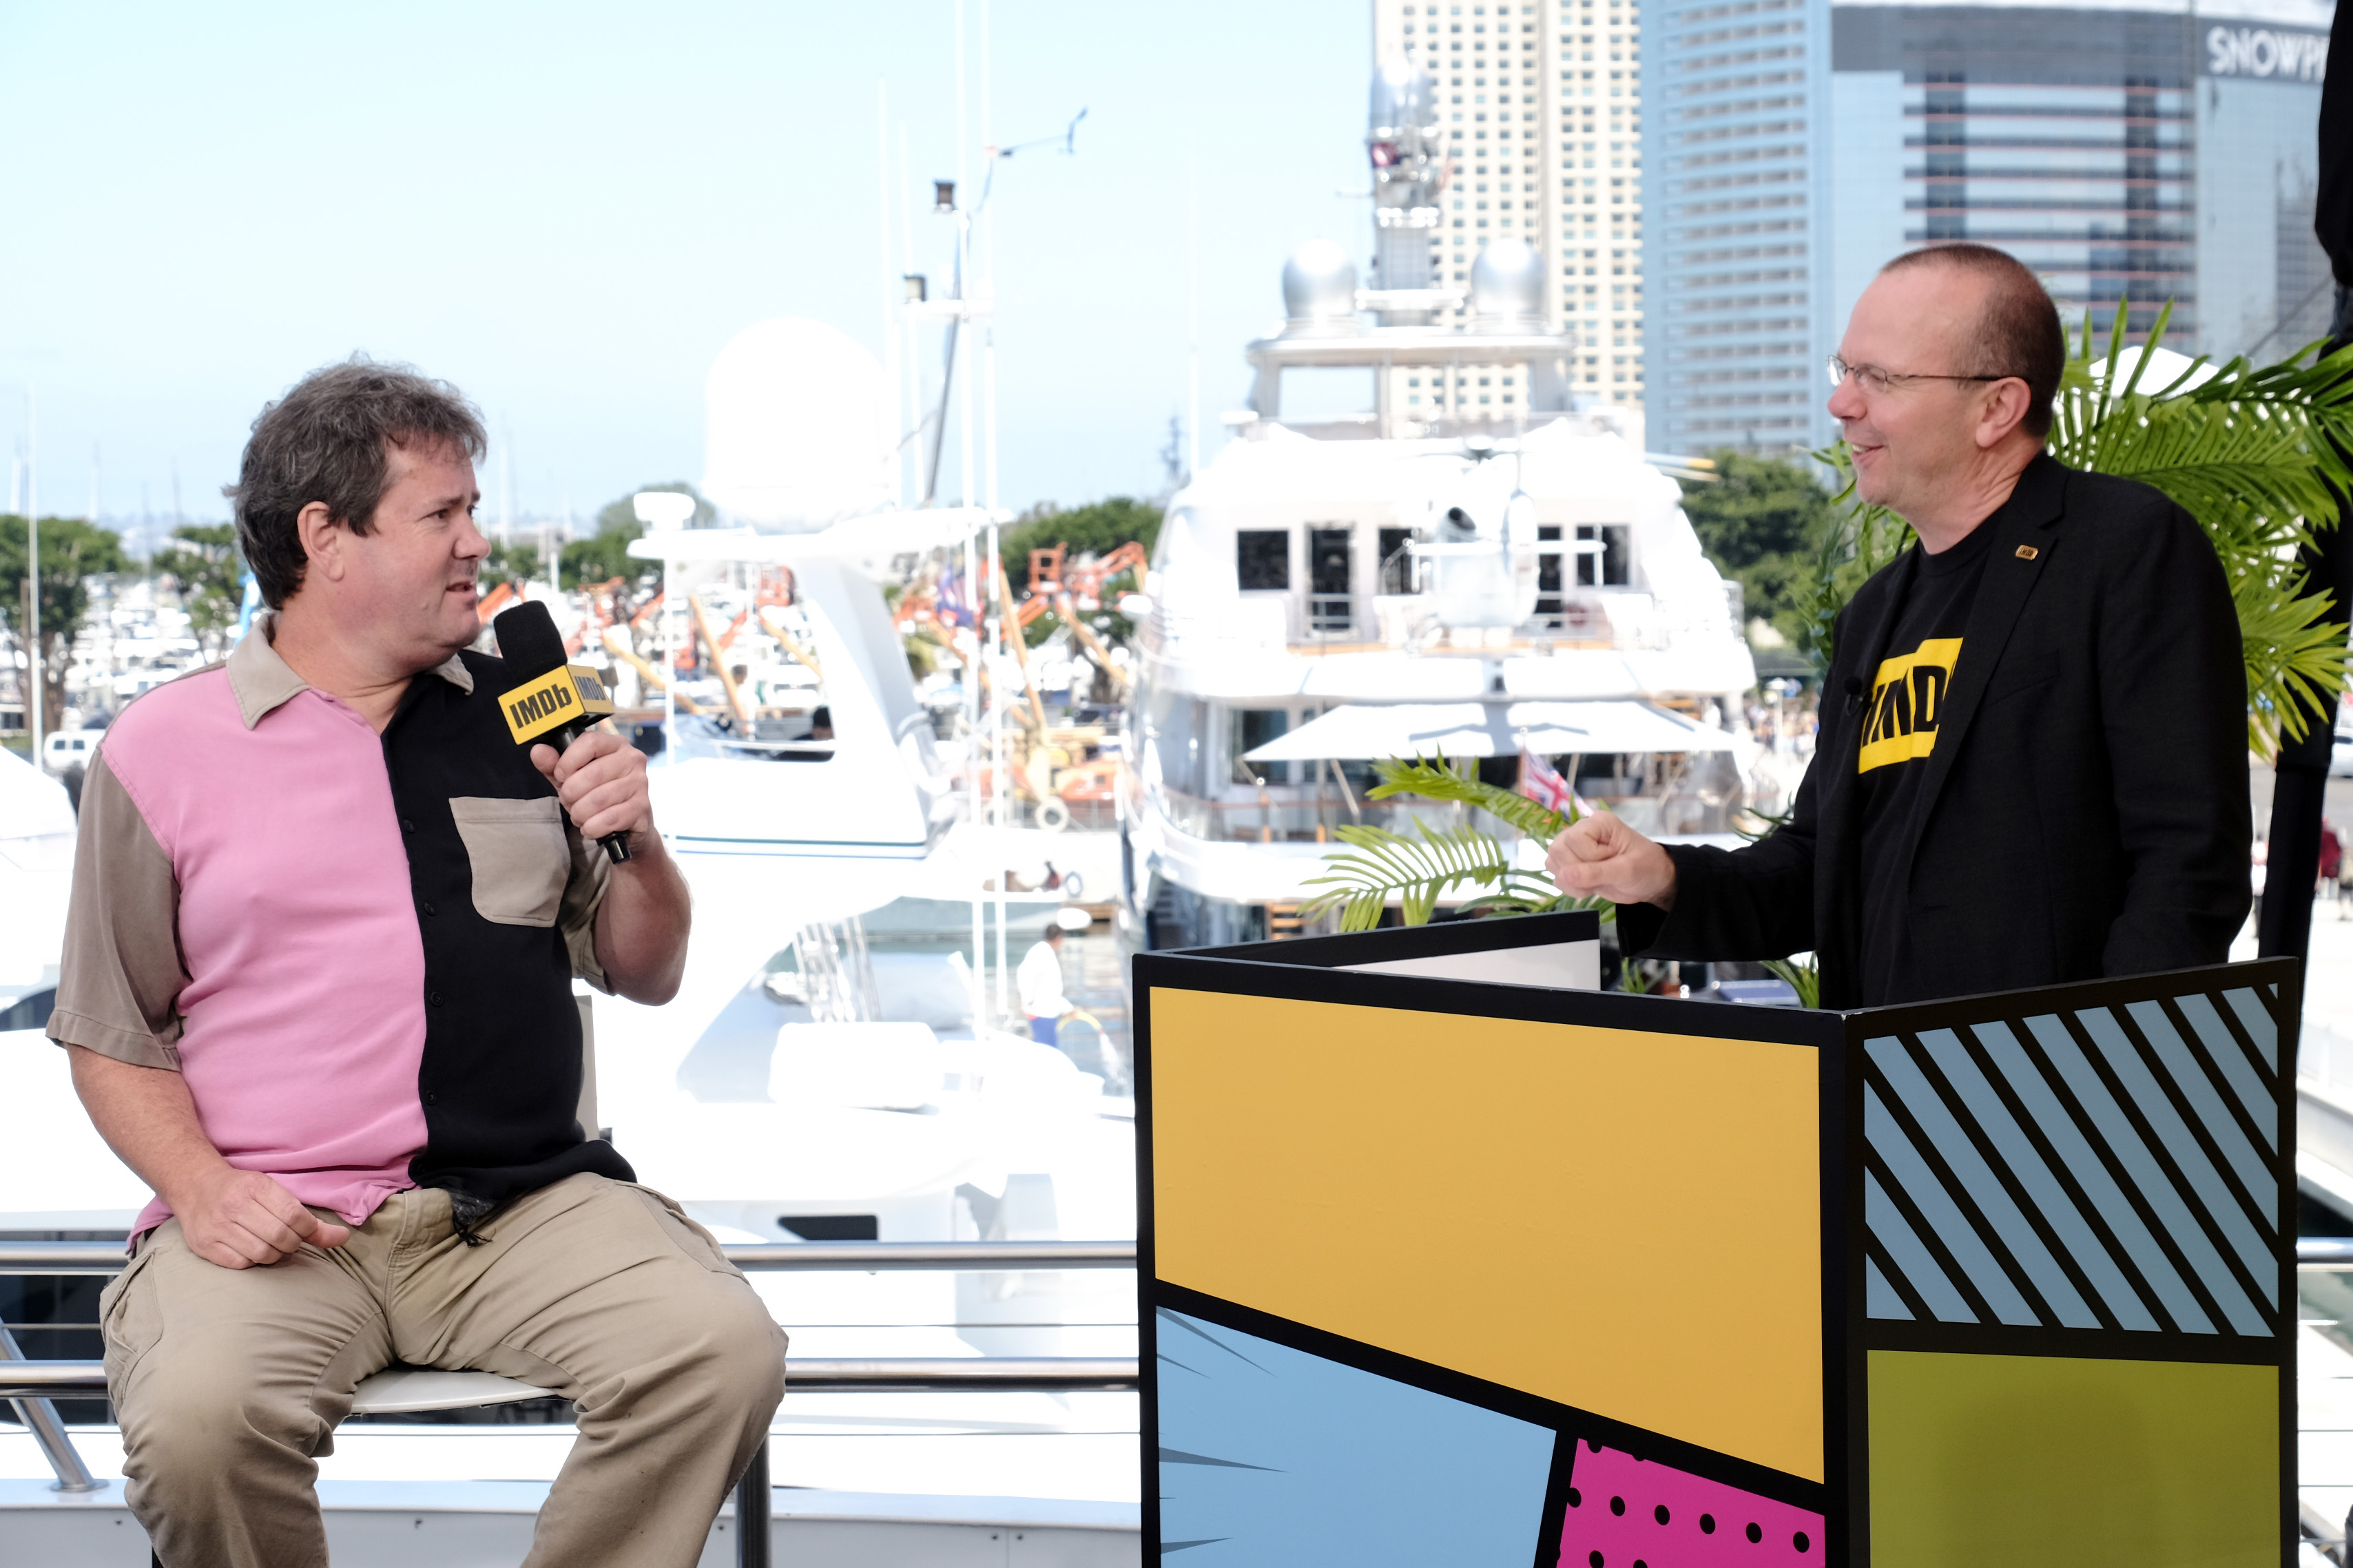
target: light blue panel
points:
(2223, 1050)
(1886, 1138)
(1271, 1458)
(2256, 1019)
(2150, 1179)
(2182, 1145)
(1911, 1256)
(1979, 1185)
(2075, 1152)
(1879, 1298)
(2026, 1162)
(2253, 1173)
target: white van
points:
(70, 749)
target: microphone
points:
(1853, 685)
(554, 702)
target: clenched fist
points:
(1599, 857)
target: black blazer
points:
(2087, 805)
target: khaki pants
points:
(229, 1381)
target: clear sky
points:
(566, 209)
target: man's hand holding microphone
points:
(1598, 856)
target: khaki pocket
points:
(129, 1321)
(519, 855)
(686, 1234)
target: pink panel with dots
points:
(1625, 1512)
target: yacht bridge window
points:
(1328, 602)
(1397, 565)
(1262, 559)
(1612, 566)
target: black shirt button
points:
(406, 825)
(434, 998)
(429, 909)
(431, 1098)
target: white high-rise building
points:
(1540, 103)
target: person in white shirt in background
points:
(1039, 980)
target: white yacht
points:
(1419, 542)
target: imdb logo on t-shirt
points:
(1906, 699)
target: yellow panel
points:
(2033, 1460)
(1625, 1222)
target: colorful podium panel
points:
(1439, 1268)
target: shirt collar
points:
(263, 682)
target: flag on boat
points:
(953, 605)
(1542, 783)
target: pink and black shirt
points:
(358, 950)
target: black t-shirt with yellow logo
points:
(1905, 704)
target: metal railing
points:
(32, 1385)
(844, 1257)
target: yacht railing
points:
(47, 1258)
(33, 1386)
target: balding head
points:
(2017, 330)
(1951, 359)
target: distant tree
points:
(1762, 524)
(206, 568)
(509, 561)
(72, 551)
(1094, 528)
(605, 555)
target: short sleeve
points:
(583, 895)
(120, 983)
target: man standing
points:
(2032, 762)
(1040, 981)
(317, 991)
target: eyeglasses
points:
(1878, 382)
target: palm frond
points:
(1805, 979)
(1435, 779)
(1378, 865)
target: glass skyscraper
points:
(2132, 150)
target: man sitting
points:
(317, 991)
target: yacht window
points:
(1253, 728)
(1328, 560)
(1396, 567)
(1548, 604)
(1262, 559)
(1329, 605)
(1613, 567)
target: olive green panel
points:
(2033, 1460)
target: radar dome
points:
(1507, 286)
(795, 432)
(1319, 289)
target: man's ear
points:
(325, 540)
(2003, 408)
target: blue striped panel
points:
(1911, 1256)
(2225, 1052)
(2050, 1198)
(2059, 1129)
(1979, 1185)
(2256, 1019)
(1879, 1298)
(2149, 1177)
(1918, 1180)
(2176, 1139)
(2252, 1171)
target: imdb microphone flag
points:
(567, 694)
